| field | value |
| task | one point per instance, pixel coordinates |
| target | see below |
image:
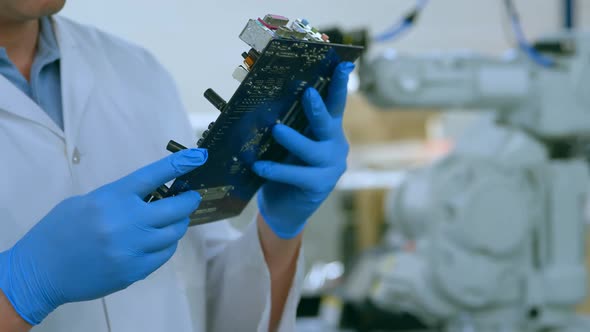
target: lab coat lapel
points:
(77, 79)
(14, 101)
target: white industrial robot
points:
(499, 223)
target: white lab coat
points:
(120, 109)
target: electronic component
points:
(215, 99)
(284, 61)
(240, 73)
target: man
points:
(80, 112)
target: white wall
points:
(197, 40)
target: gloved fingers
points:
(166, 211)
(304, 177)
(147, 179)
(158, 239)
(301, 147)
(155, 260)
(320, 120)
(338, 89)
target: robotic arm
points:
(499, 222)
(549, 102)
(458, 80)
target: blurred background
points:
(197, 40)
(371, 251)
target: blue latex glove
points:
(296, 188)
(93, 245)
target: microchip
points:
(273, 80)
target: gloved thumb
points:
(336, 100)
(147, 179)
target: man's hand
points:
(93, 245)
(297, 188)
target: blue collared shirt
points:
(44, 87)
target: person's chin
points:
(19, 11)
(50, 7)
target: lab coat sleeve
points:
(238, 282)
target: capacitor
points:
(215, 99)
(249, 62)
(253, 54)
(174, 146)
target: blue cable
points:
(408, 21)
(403, 25)
(523, 44)
(394, 32)
(532, 53)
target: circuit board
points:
(270, 93)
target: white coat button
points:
(76, 156)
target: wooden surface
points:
(369, 216)
(365, 123)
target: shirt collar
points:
(4, 60)
(3, 57)
(47, 47)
